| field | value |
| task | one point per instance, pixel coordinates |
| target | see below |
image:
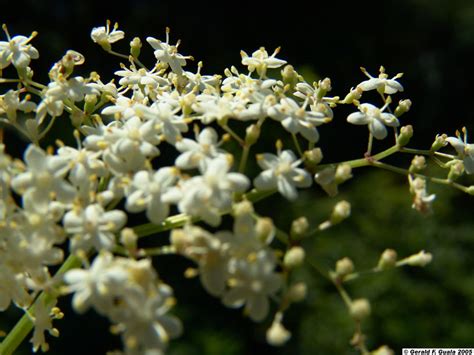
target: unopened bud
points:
(353, 95)
(265, 229)
(294, 257)
(297, 292)
(343, 173)
(388, 259)
(340, 212)
(418, 163)
(403, 106)
(313, 157)
(456, 170)
(323, 87)
(277, 334)
(344, 267)
(129, 238)
(135, 47)
(289, 76)
(360, 309)
(406, 132)
(89, 103)
(440, 142)
(243, 208)
(421, 259)
(299, 227)
(252, 133)
(383, 350)
(470, 190)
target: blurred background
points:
(431, 41)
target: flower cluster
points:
(86, 194)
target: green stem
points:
(244, 158)
(358, 163)
(233, 134)
(24, 326)
(369, 145)
(297, 144)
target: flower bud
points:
(313, 157)
(388, 259)
(360, 309)
(470, 190)
(403, 106)
(343, 173)
(406, 132)
(294, 257)
(418, 163)
(299, 227)
(323, 87)
(325, 178)
(129, 238)
(421, 259)
(135, 47)
(289, 76)
(297, 292)
(265, 230)
(340, 212)
(456, 170)
(277, 334)
(383, 350)
(89, 103)
(252, 133)
(353, 96)
(440, 142)
(344, 267)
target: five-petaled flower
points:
(382, 84)
(375, 118)
(260, 61)
(281, 172)
(464, 150)
(104, 37)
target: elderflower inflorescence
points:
(135, 153)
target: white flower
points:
(93, 227)
(43, 180)
(318, 103)
(103, 36)
(464, 150)
(17, 51)
(10, 103)
(134, 76)
(375, 118)
(209, 251)
(252, 282)
(212, 107)
(148, 191)
(281, 172)
(382, 83)
(200, 152)
(43, 322)
(94, 286)
(296, 119)
(422, 202)
(167, 53)
(147, 326)
(130, 145)
(74, 89)
(209, 195)
(165, 119)
(129, 293)
(260, 61)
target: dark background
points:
(432, 42)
